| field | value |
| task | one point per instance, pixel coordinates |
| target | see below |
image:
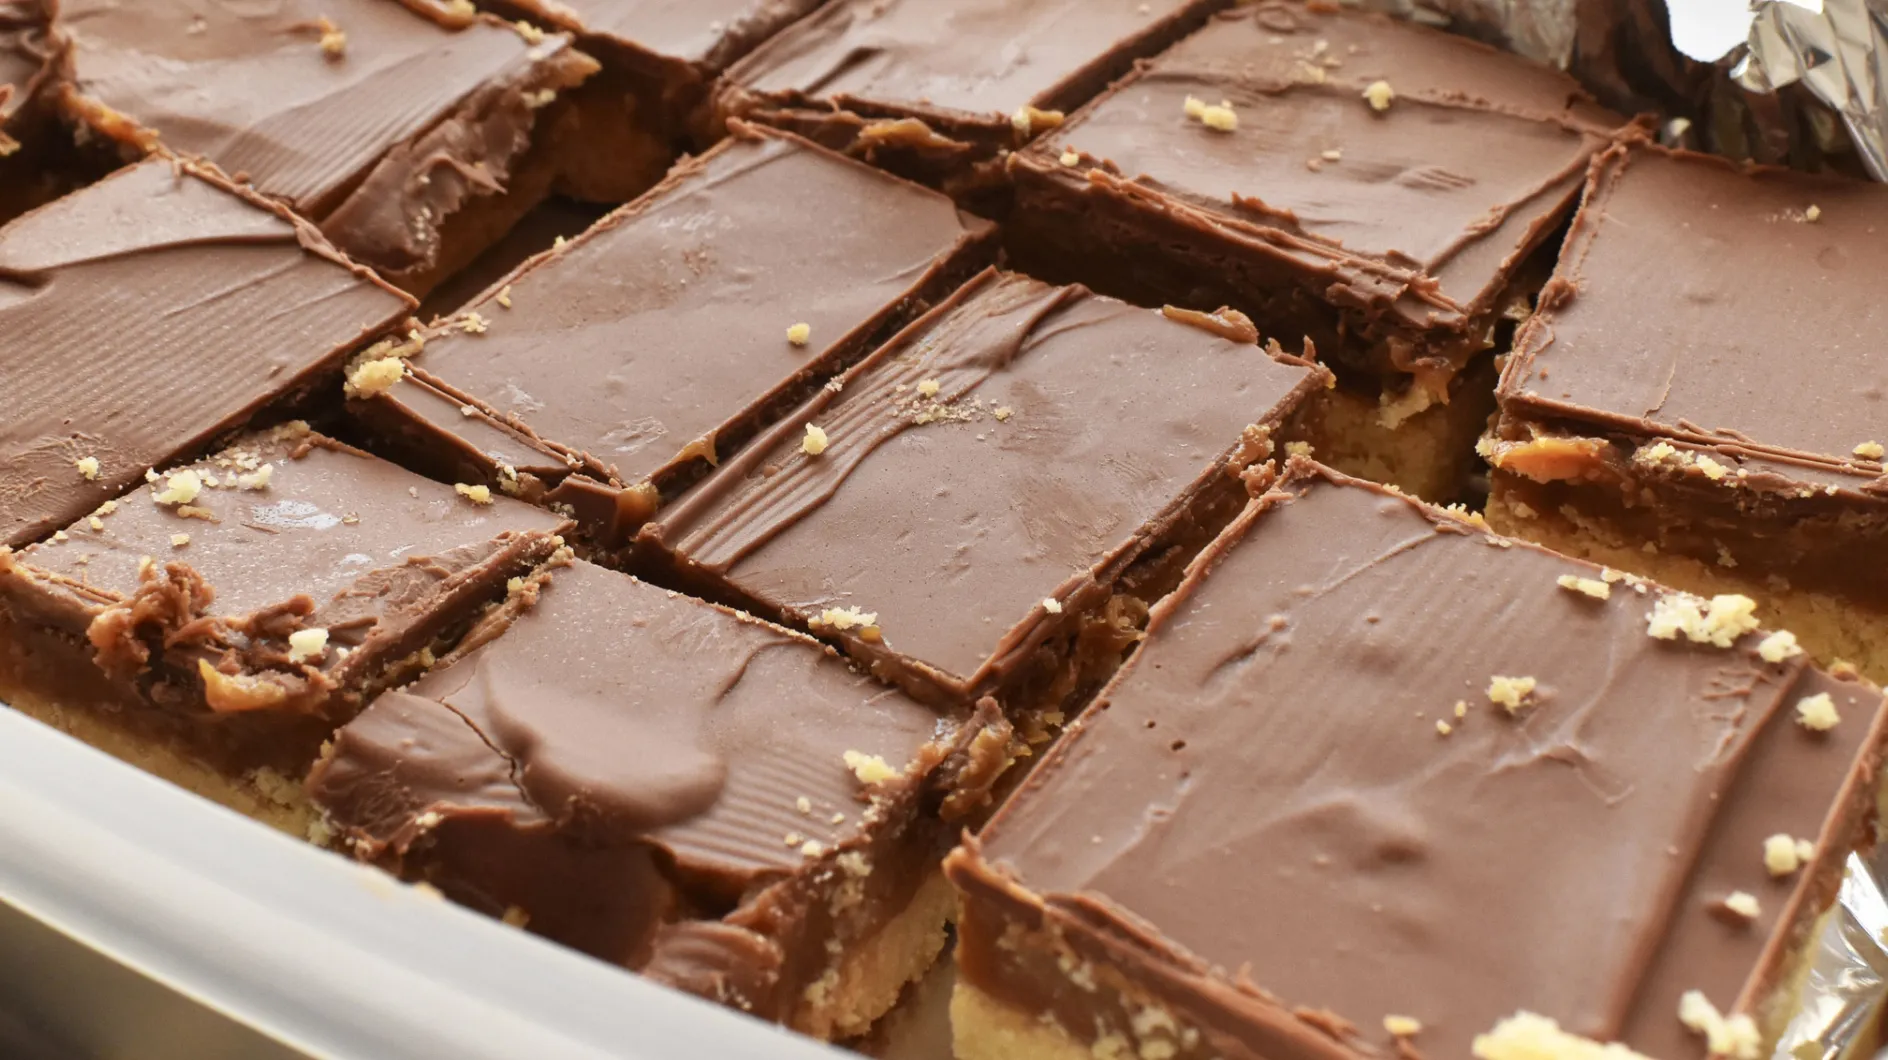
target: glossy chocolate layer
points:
(369, 117)
(657, 781)
(286, 531)
(1412, 218)
(706, 35)
(964, 68)
(1273, 749)
(147, 314)
(1022, 443)
(641, 352)
(1715, 307)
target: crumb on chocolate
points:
(503, 297)
(1782, 854)
(515, 916)
(1511, 693)
(192, 511)
(1718, 621)
(1734, 1036)
(803, 804)
(845, 618)
(1052, 605)
(1221, 118)
(1379, 95)
(473, 324)
(1003, 413)
(1028, 121)
(815, 441)
(1194, 108)
(371, 377)
(870, 769)
(1817, 713)
(530, 33)
(1402, 1026)
(1779, 646)
(1461, 708)
(1528, 1036)
(95, 522)
(1333, 155)
(540, 99)
(812, 848)
(1742, 904)
(1813, 214)
(88, 467)
(1869, 451)
(1071, 158)
(306, 644)
(800, 334)
(180, 487)
(1303, 449)
(928, 387)
(792, 839)
(1593, 587)
(1443, 728)
(179, 540)
(476, 494)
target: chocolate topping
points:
(283, 532)
(1020, 443)
(1416, 214)
(650, 347)
(1273, 749)
(366, 116)
(1703, 303)
(705, 34)
(24, 51)
(147, 314)
(652, 753)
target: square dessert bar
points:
(940, 90)
(611, 371)
(406, 131)
(660, 59)
(717, 802)
(229, 615)
(1703, 397)
(1382, 190)
(1379, 783)
(989, 502)
(144, 316)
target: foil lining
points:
(1846, 982)
(1837, 49)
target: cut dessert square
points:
(940, 90)
(225, 618)
(144, 316)
(1378, 188)
(717, 802)
(987, 504)
(1701, 397)
(616, 368)
(659, 58)
(406, 131)
(1310, 819)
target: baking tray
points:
(137, 919)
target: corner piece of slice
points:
(406, 130)
(230, 614)
(718, 803)
(1402, 241)
(1379, 782)
(660, 60)
(1715, 422)
(615, 369)
(150, 313)
(987, 505)
(941, 90)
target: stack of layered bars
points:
(1284, 533)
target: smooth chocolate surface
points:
(1022, 443)
(704, 34)
(377, 120)
(1414, 215)
(652, 345)
(1273, 749)
(147, 314)
(1729, 311)
(638, 773)
(285, 531)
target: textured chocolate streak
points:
(1047, 461)
(1409, 223)
(623, 765)
(137, 343)
(324, 537)
(1267, 721)
(655, 344)
(1740, 276)
(258, 93)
